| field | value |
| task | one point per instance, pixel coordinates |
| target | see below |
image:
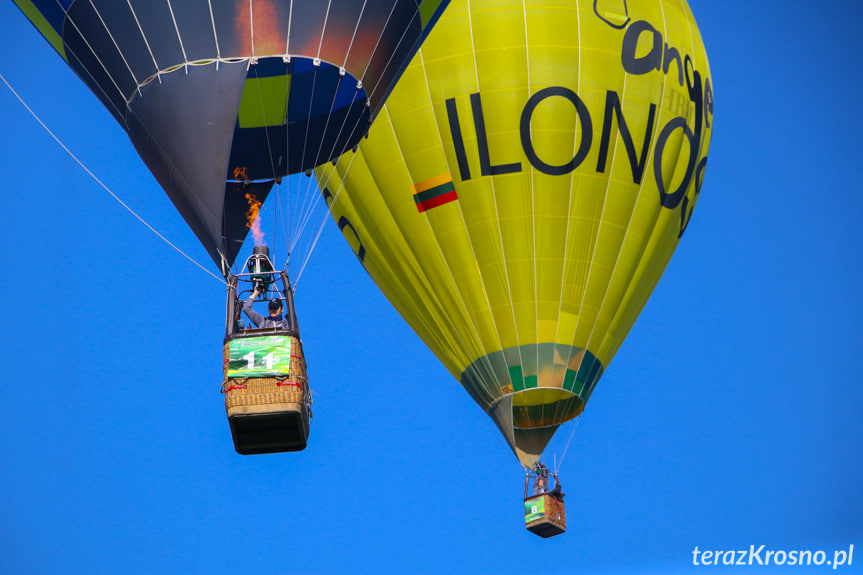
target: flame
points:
(269, 39)
(253, 222)
(241, 173)
(266, 25)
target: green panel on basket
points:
(265, 356)
(534, 509)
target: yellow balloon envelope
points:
(524, 188)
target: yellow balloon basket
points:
(267, 414)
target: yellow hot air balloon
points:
(524, 188)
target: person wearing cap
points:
(275, 318)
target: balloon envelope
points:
(524, 188)
(215, 94)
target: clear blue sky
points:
(731, 416)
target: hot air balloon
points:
(523, 189)
(223, 98)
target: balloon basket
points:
(269, 414)
(544, 515)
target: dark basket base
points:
(546, 528)
(275, 432)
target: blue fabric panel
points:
(54, 11)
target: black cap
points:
(275, 304)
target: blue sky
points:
(730, 417)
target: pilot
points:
(540, 485)
(275, 318)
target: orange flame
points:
(253, 222)
(268, 37)
(241, 173)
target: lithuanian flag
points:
(434, 192)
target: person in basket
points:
(275, 308)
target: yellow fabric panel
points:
(384, 252)
(264, 102)
(375, 261)
(428, 279)
(539, 396)
(614, 11)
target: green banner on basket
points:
(534, 509)
(266, 356)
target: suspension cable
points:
(558, 463)
(102, 184)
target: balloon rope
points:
(321, 228)
(106, 188)
(309, 207)
(313, 206)
(558, 463)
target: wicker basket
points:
(554, 520)
(267, 390)
(263, 392)
(269, 414)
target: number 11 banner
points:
(266, 356)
